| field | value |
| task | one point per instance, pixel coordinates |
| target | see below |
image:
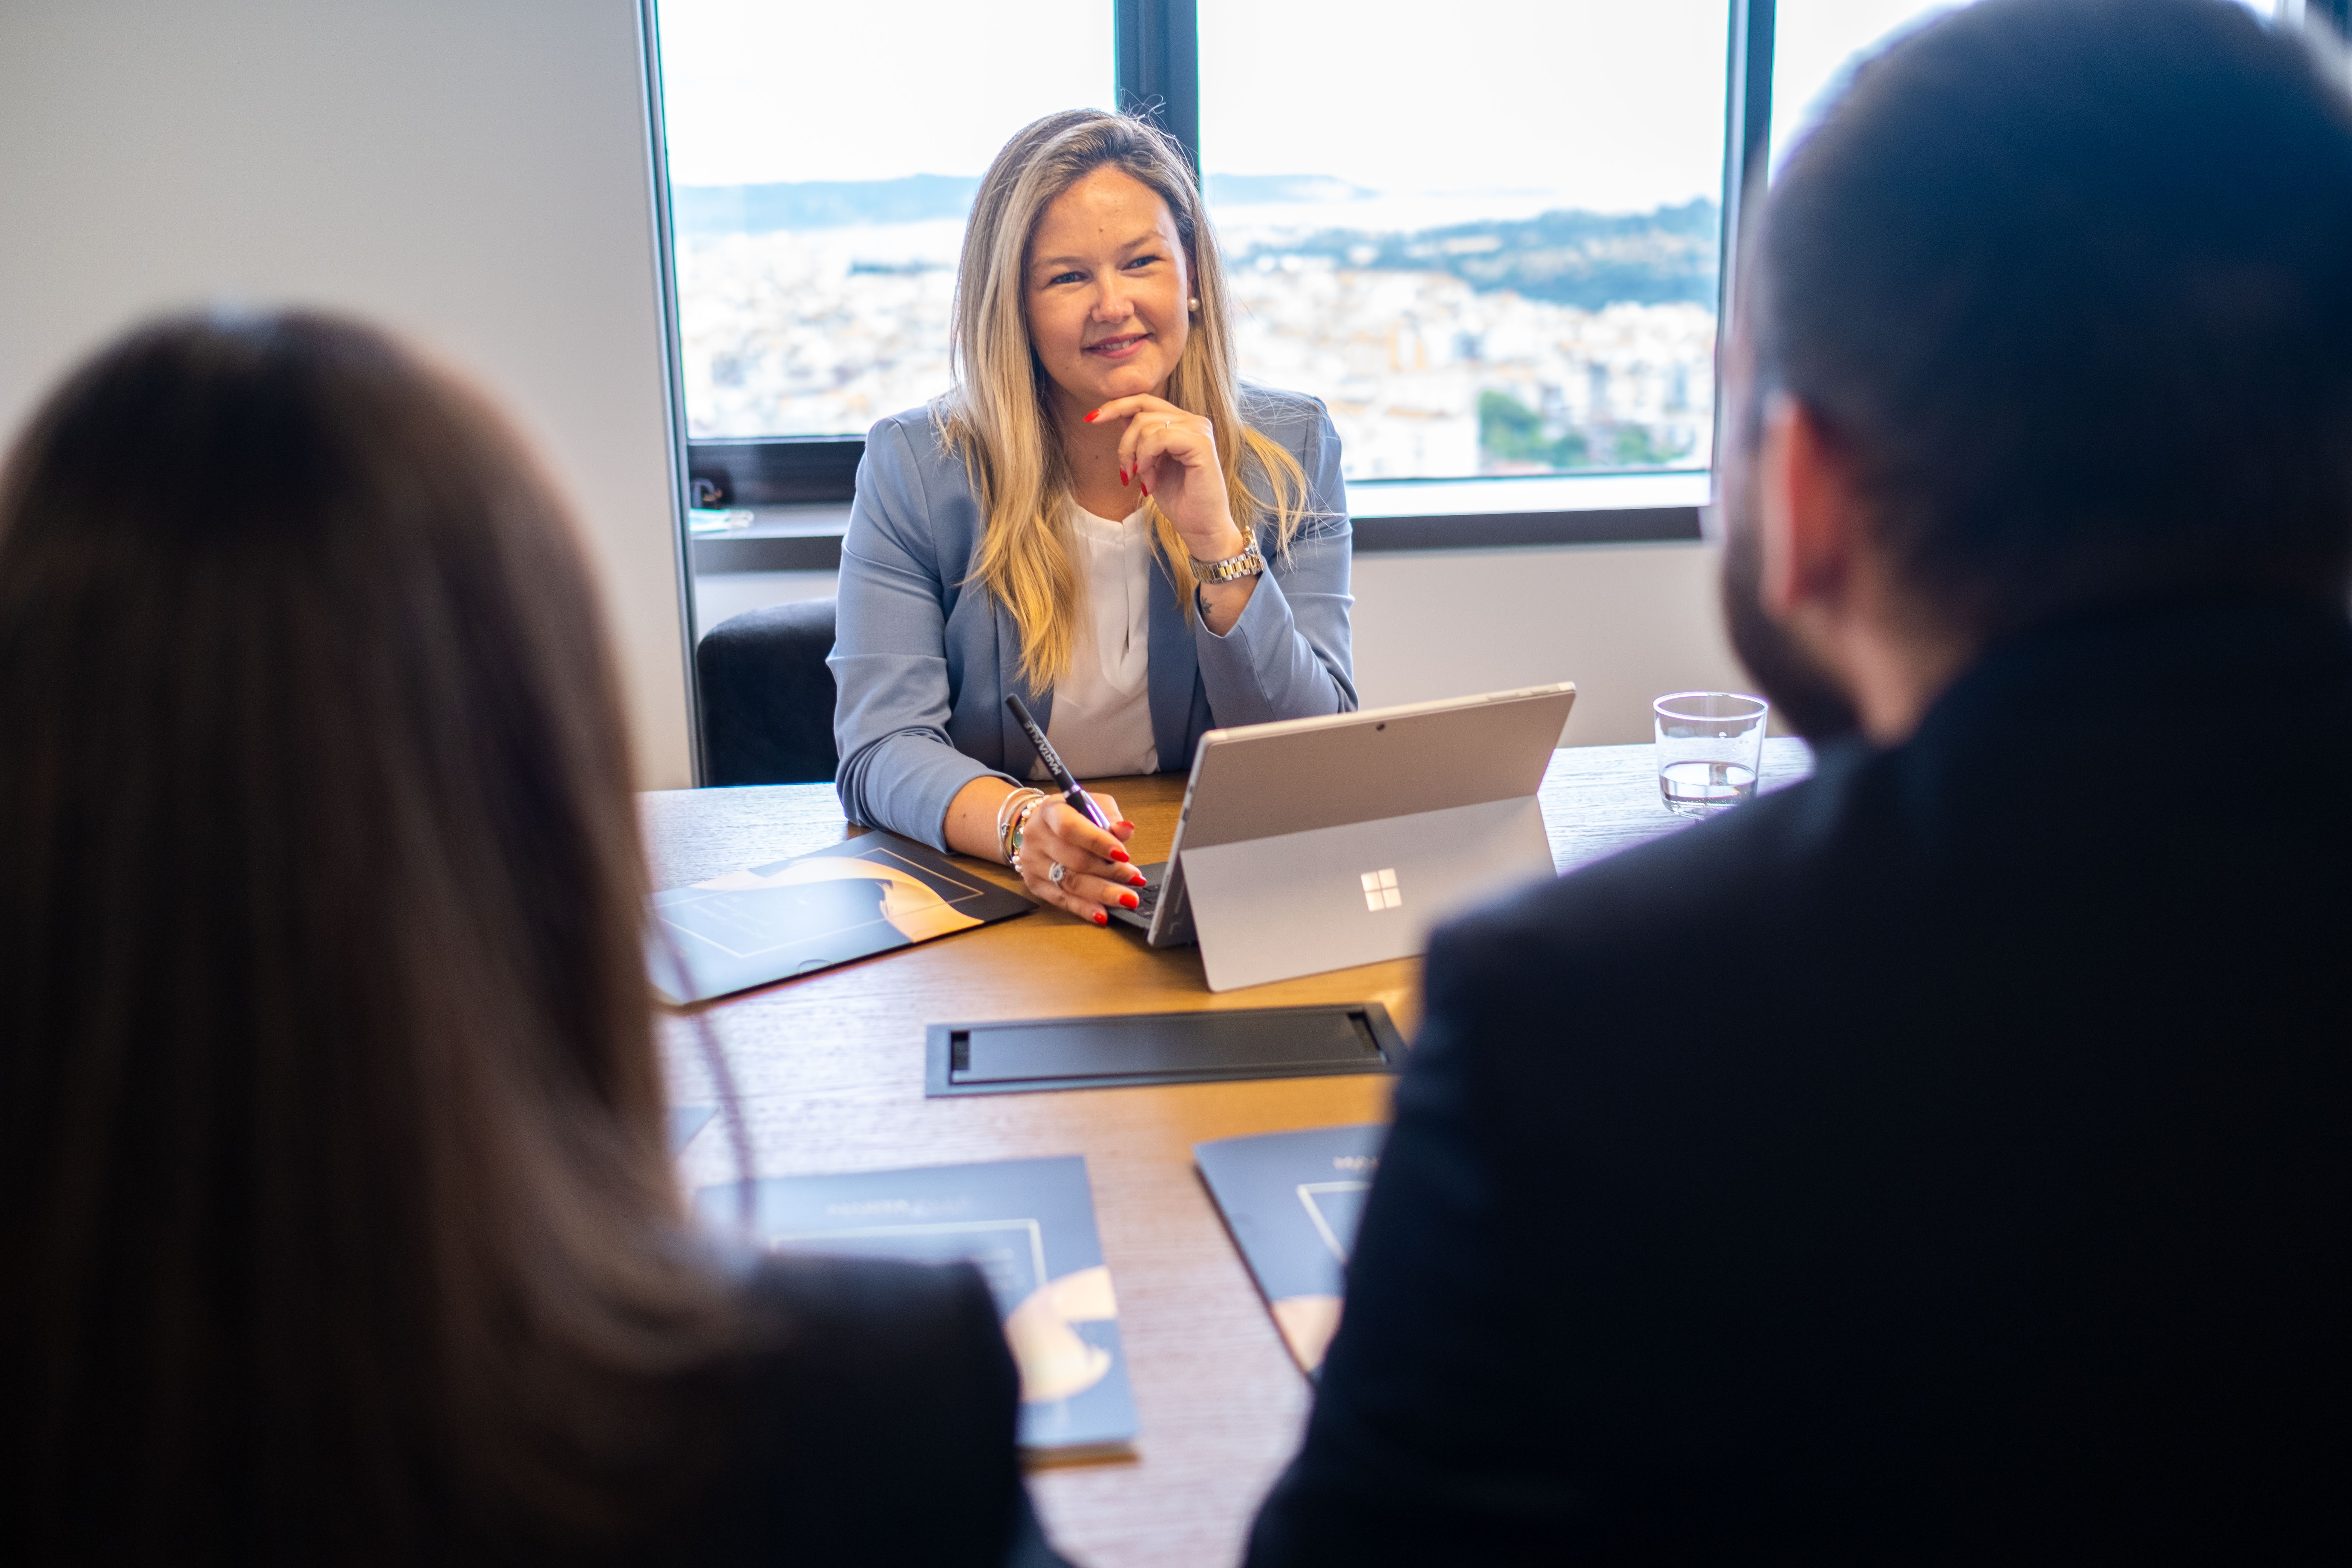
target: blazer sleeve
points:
(1288, 657)
(898, 768)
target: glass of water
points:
(1710, 749)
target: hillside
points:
(1568, 257)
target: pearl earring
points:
(1196, 301)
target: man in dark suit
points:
(1945, 1159)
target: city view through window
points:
(821, 159)
(1486, 259)
(1489, 245)
(1487, 237)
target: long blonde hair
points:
(999, 419)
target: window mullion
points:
(1158, 71)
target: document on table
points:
(1027, 1224)
(872, 894)
(1292, 1201)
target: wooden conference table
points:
(829, 1073)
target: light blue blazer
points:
(924, 659)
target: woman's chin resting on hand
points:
(1098, 519)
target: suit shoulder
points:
(914, 435)
(1554, 990)
(856, 1373)
(914, 498)
(843, 1304)
(1647, 894)
(1289, 417)
(847, 1352)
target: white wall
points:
(1626, 621)
(474, 174)
(718, 595)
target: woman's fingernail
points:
(1090, 418)
(1146, 489)
(1140, 880)
(1127, 900)
(1101, 919)
(1126, 825)
(1118, 853)
(1122, 476)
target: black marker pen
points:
(1076, 799)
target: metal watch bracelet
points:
(1248, 563)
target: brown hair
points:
(333, 1195)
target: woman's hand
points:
(1095, 871)
(1173, 455)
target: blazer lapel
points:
(1175, 668)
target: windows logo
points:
(1380, 890)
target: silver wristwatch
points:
(1248, 563)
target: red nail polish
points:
(1090, 418)
(1145, 489)
(1127, 900)
(1140, 880)
(1118, 853)
(1122, 476)
(1101, 919)
(1128, 826)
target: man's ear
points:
(1805, 512)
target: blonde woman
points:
(1098, 517)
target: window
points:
(821, 159)
(1817, 43)
(1488, 234)
(1487, 237)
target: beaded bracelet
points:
(1021, 821)
(1004, 810)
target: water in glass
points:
(1710, 749)
(1699, 788)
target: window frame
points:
(1158, 72)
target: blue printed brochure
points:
(1292, 1201)
(870, 894)
(1029, 1225)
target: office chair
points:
(767, 696)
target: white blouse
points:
(1101, 722)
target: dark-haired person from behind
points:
(1947, 1158)
(336, 1220)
